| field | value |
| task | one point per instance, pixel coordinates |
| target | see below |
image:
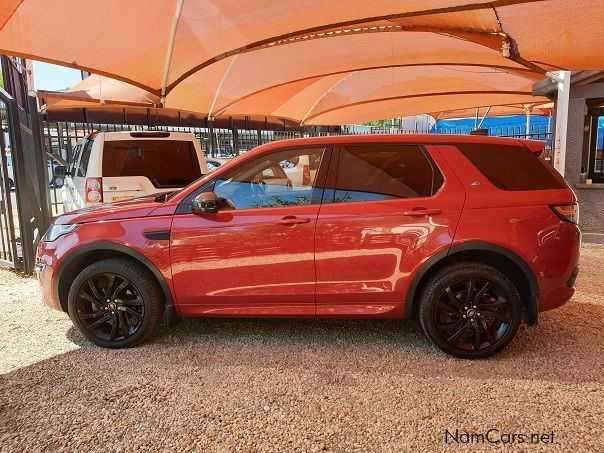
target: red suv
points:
(471, 234)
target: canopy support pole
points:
(486, 113)
(325, 94)
(561, 130)
(169, 51)
(527, 111)
(217, 92)
(476, 119)
(506, 52)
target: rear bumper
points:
(560, 268)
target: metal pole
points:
(527, 110)
(41, 163)
(211, 134)
(561, 130)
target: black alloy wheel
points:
(110, 307)
(115, 303)
(470, 310)
(472, 314)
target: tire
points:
(58, 182)
(11, 184)
(472, 328)
(131, 313)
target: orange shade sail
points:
(317, 62)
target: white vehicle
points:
(215, 162)
(114, 166)
(302, 170)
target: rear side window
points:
(385, 172)
(167, 163)
(512, 168)
(76, 155)
(83, 166)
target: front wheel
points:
(470, 310)
(115, 303)
(58, 182)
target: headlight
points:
(56, 231)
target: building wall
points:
(591, 198)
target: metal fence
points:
(24, 205)
(9, 231)
(60, 139)
(535, 132)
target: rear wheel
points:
(115, 303)
(470, 310)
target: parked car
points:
(114, 166)
(215, 162)
(55, 180)
(470, 234)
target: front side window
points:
(274, 180)
(385, 172)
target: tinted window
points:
(83, 166)
(74, 161)
(167, 163)
(269, 181)
(384, 172)
(512, 167)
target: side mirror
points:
(60, 170)
(205, 203)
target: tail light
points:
(568, 212)
(94, 190)
(306, 175)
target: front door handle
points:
(292, 220)
(420, 212)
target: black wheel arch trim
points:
(112, 246)
(530, 313)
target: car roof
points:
(422, 139)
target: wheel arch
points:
(96, 251)
(501, 258)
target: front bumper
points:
(44, 268)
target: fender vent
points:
(157, 235)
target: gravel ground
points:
(249, 385)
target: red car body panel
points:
(390, 244)
(522, 223)
(127, 232)
(242, 262)
(346, 259)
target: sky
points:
(52, 78)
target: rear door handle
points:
(422, 212)
(292, 220)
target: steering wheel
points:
(258, 186)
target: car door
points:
(256, 255)
(387, 209)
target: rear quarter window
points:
(512, 168)
(166, 163)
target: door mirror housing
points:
(60, 170)
(206, 203)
